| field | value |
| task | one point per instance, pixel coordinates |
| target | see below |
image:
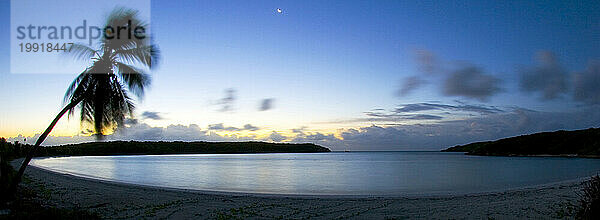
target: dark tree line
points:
(579, 142)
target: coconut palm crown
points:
(118, 68)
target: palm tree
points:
(101, 91)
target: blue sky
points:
(329, 66)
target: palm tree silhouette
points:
(101, 91)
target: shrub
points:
(590, 199)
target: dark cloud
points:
(409, 84)
(423, 117)
(586, 84)
(435, 111)
(130, 121)
(548, 78)
(276, 137)
(470, 82)
(228, 101)
(382, 116)
(221, 127)
(419, 107)
(299, 130)
(250, 127)
(422, 112)
(462, 107)
(266, 104)
(152, 115)
(427, 61)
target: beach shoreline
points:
(123, 200)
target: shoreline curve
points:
(122, 200)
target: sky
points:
(348, 75)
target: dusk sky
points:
(357, 75)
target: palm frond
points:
(135, 79)
(123, 17)
(81, 52)
(145, 55)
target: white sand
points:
(117, 200)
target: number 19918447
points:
(45, 47)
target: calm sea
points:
(338, 173)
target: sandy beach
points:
(117, 200)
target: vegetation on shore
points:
(176, 147)
(582, 143)
(25, 206)
(25, 202)
(589, 203)
(10, 151)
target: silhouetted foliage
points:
(8, 152)
(580, 143)
(26, 205)
(590, 200)
(102, 90)
(162, 147)
(177, 147)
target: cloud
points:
(462, 107)
(410, 84)
(151, 115)
(266, 104)
(250, 127)
(470, 82)
(586, 84)
(130, 121)
(228, 101)
(327, 140)
(443, 134)
(423, 117)
(144, 132)
(382, 116)
(427, 61)
(276, 137)
(548, 78)
(433, 111)
(434, 135)
(221, 127)
(419, 107)
(374, 138)
(299, 130)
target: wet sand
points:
(118, 200)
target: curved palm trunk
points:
(41, 139)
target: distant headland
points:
(175, 147)
(578, 143)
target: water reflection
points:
(366, 173)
